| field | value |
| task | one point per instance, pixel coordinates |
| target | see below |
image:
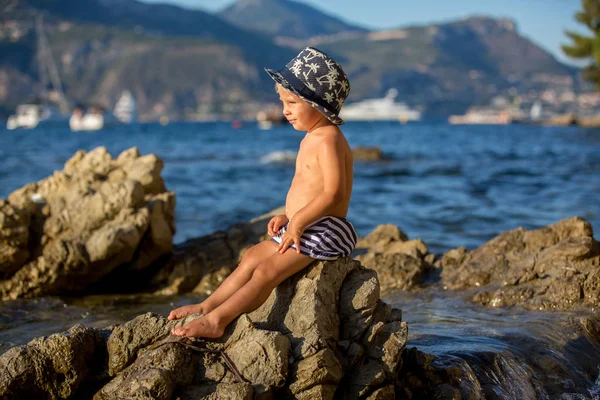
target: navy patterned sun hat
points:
(317, 79)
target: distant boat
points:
(93, 119)
(535, 114)
(29, 116)
(267, 118)
(126, 108)
(381, 109)
(481, 116)
(96, 118)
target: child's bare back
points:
(312, 88)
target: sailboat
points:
(126, 108)
(28, 116)
(535, 114)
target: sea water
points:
(448, 185)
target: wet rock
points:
(553, 267)
(96, 217)
(426, 376)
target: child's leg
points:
(266, 276)
(242, 274)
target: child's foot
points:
(200, 327)
(184, 311)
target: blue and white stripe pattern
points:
(328, 238)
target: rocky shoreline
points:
(104, 225)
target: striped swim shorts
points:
(328, 238)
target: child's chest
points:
(307, 161)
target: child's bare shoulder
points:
(332, 135)
(331, 139)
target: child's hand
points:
(276, 223)
(291, 236)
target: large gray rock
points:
(324, 326)
(98, 216)
(554, 267)
(328, 344)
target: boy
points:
(312, 88)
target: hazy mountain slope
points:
(455, 64)
(157, 19)
(179, 62)
(284, 18)
(169, 58)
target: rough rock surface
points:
(322, 333)
(54, 367)
(199, 265)
(557, 266)
(97, 216)
(399, 262)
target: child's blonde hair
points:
(277, 86)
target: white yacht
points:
(382, 109)
(93, 119)
(126, 108)
(29, 116)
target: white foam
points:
(280, 156)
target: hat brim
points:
(277, 77)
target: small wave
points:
(279, 157)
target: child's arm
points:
(331, 160)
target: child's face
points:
(299, 113)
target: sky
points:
(542, 21)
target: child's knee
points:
(250, 254)
(265, 273)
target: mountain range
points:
(190, 64)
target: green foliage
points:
(587, 47)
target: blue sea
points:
(448, 185)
